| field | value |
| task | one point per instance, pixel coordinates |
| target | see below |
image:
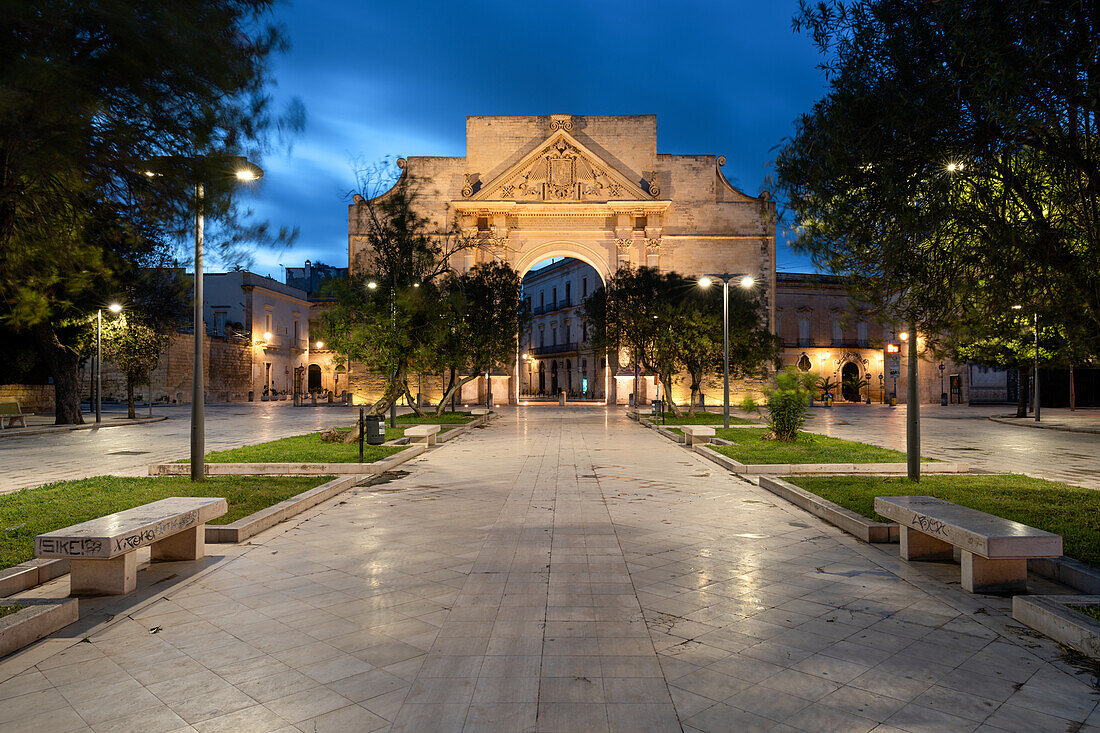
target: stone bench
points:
(994, 551)
(697, 434)
(423, 434)
(479, 411)
(102, 552)
(10, 412)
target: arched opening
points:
(849, 377)
(556, 340)
(314, 378)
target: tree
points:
(135, 349)
(91, 90)
(386, 313)
(951, 169)
(479, 327)
(668, 324)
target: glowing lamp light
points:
(320, 344)
(954, 167)
(1017, 307)
(115, 307)
(705, 282)
(245, 174)
(372, 285)
(747, 281)
(267, 335)
(904, 335)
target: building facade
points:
(594, 188)
(555, 354)
(826, 332)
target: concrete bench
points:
(10, 412)
(994, 551)
(424, 434)
(102, 552)
(697, 434)
(479, 411)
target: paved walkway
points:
(560, 570)
(31, 460)
(962, 433)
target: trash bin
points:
(374, 429)
(630, 399)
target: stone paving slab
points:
(568, 571)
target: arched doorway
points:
(849, 379)
(557, 278)
(314, 378)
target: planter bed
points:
(27, 513)
(35, 619)
(865, 529)
(399, 455)
(1069, 620)
(748, 447)
(702, 418)
(1069, 511)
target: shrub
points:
(749, 404)
(788, 403)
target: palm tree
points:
(854, 383)
(826, 385)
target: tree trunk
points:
(393, 391)
(447, 384)
(666, 381)
(456, 384)
(1021, 403)
(412, 403)
(130, 399)
(696, 383)
(62, 361)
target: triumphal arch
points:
(591, 187)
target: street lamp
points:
(746, 282)
(244, 171)
(1035, 368)
(114, 308)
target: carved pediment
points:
(561, 169)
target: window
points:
(584, 332)
(267, 322)
(554, 300)
(804, 363)
(568, 293)
(542, 337)
(553, 334)
(803, 331)
(295, 331)
(639, 222)
(838, 333)
(542, 299)
(861, 333)
(219, 322)
(482, 223)
(584, 287)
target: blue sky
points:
(399, 78)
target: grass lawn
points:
(308, 448)
(446, 418)
(30, 512)
(704, 418)
(808, 448)
(1067, 510)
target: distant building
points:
(556, 356)
(826, 332)
(314, 279)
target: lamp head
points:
(372, 285)
(954, 167)
(320, 344)
(747, 281)
(904, 335)
(115, 307)
(1017, 307)
(267, 335)
(705, 281)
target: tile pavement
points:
(561, 570)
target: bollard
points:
(361, 434)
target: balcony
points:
(830, 343)
(551, 307)
(571, 347)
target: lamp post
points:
(114, 308)
(244, 171)
(746, 282)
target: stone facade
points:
(826, 332)
(31, 397)
(594, 188)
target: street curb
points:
(39, 619)
(1067, 571)
(8, 432)
(830, 469)
(257, 522)
(1021, 422)
(836, 515)
(31, 573)
(1052, 617)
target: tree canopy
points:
(951, 170)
